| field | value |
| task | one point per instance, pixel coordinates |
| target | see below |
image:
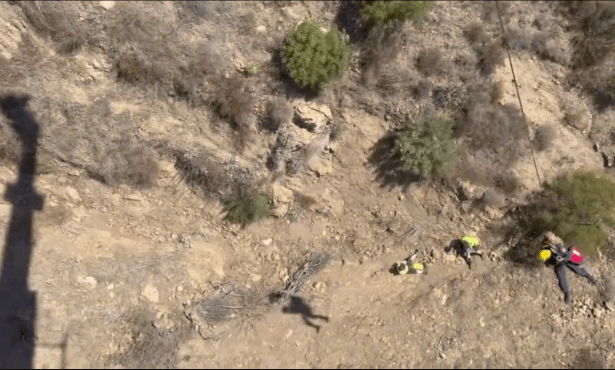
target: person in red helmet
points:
(554, 253)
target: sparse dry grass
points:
(492, 199)
(279, 112)
(431, 62)
(378, 50)
(540, 42)
(9, 143)
(235, 102)
(148, 348)
(60, 21)
(544, 137)
(593, 45)
(105, 144)
(489, 51)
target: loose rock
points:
(312, 116)
(151, 293)
(281, 194)
(90, 280)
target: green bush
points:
(579, 208)
(428, 147)
(313, 57)
(388, 13)
(248, 207)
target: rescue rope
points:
(527, 128)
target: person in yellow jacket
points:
(468, 247)
(409, 266)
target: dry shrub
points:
(492, 199)
(593, 46)
(248, 206)
(201, 172)
(202, 64)
(422, 89)
(235, 103)
(247, 22)
(199, 11)
(490, 12)
(478, 91)
(490, 56)
(9, 142)
(508, 182)
(576, 113)
(287, 154)
(542, 43)
(431, 62)
(587, 359)
(600, 82)
(378, 50)
(58, 20)
(145, 50)
(103, 143)
(446, 97)
(127, 162)
(544, 137)
(279, 112)
(499, 129)
(476, 34)
(233, 100)
(518, 38)
(595, 21)
(305, 201)
(475, 167)
(149, 349)
(489, 52)
(465, 65)
(397, 80)
(542, 21)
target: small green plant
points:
(428, 147)
(337, 130)
(251, 69)
(579, 208)
(388, 13)
(248, 207)
(315, 57)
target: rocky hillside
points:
(201, 209)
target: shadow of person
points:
(298, 306)
(17, 303)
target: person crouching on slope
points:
(409, 266)
(468, 247)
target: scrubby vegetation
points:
(121, 83)
(249, 206)
(427, 147)
(593, 57)
(544, 136)
(314, 56)
(387, 13)
(579, 207)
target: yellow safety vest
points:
(471, 240)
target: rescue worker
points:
(468, 246)
(408, 266)
(554, 253)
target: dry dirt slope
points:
(113, 275)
